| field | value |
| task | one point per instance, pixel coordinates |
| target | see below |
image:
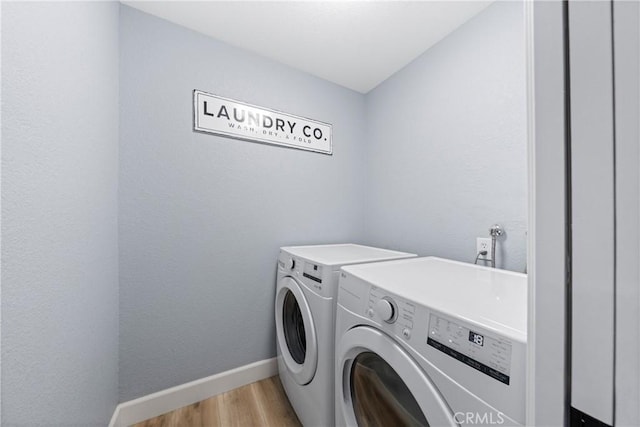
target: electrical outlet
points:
(483, 244)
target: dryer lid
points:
(343, 254)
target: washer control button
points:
(406, 333)
(289, 264)
(386, 310)
(370, 312)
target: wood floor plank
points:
(263, 403)
(159, 421)
(211, 412)
(275, 408)
(240, 408)
(187, 416)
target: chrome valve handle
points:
(496, 230)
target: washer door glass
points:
(380, 397)
(295, 331)
(293, 326)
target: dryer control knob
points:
(289, 263)
(385, 310)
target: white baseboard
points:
(155, 404)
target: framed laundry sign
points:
(227, 117)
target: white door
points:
(596, 277)
(383, 386)
(295, 331)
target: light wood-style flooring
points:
(263, 403)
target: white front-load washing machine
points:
(307, 282)
(430, 342)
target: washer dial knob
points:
(289, 263)
(386, 310)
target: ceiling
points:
(356, 44)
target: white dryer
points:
(428, 341)
(305, 322)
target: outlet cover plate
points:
(483, 244)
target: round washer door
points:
(295, 331)
(383, 386)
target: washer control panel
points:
(487, 354)
(313, 272)
(319, 278)
(392, 310)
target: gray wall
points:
(202, 217)
(446, 144)
(59, 213)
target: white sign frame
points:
(221, 118)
